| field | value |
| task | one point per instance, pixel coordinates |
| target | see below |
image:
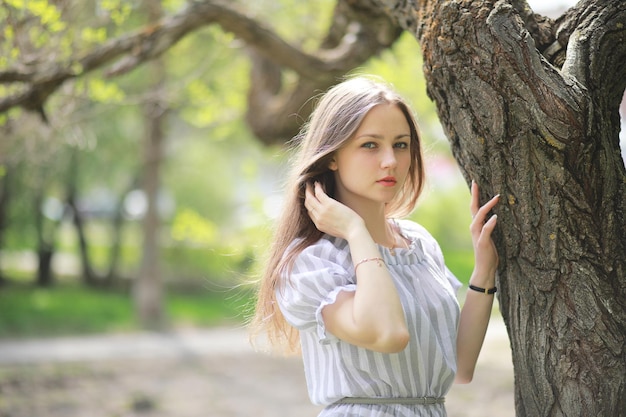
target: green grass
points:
(71, 309)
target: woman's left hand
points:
(485, 254)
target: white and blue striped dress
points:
(335, 369)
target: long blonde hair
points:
(334, 121)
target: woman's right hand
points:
(329, 215)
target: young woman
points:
(368, 295)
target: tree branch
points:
(134, 49)
(276, 111)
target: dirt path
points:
(210, 373)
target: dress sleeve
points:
(319, 274)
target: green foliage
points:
(47, 15)
(118, 10)
(104, 92)
(289, 17)
(33, 25)
(444, 212)
(191, 227)
(210, 81)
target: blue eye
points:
(401, 145)
(369, 145)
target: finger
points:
(484, 233)
(485, 237)
(321, 195)
(310, 200)
(478, 225)
(489, 205)
(490, 225)
(313, 191)
(482, 212)
(319, 191)
(307, 195)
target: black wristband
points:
(486, 291)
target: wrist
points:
(357, 232)
(483, 280)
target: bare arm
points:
(477, 308)
(372, 316)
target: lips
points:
(387, 181)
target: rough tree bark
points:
(530, 107)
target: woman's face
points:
(373, 165)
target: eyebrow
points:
(375, 136)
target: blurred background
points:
(76, 236)
(145, 202)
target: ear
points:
(332, 165)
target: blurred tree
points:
(78, 218)
(530, 107)
(148, 286)
(5, 192)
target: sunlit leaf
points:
(173, 5)
(93, 35)
(104, 92)
(190, 226)
(9, 34)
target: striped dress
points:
(335, 369)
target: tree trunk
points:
(45, 277)
(88, 277)
(45, 245)
(546, 139)
(148, 291)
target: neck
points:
(377, 224)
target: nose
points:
(388, 159)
